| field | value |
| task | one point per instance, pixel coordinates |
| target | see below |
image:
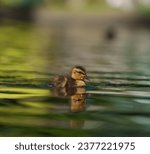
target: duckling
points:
(76, 78)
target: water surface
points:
(117, 97)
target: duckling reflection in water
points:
(72, 86)
(78, 102)
(77, 97)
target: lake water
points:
(116, 100)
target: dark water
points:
(116, 101)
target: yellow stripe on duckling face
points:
(79, 71)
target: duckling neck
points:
(80, 83)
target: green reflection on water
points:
(27, 107)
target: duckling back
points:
(59, 81)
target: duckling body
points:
(63, 81)
(76, 78)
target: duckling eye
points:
(77, 72)
(81, 73)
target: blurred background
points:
(42, 38)
(26, 8)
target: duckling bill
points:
(76, 78)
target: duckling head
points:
(78, 73)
